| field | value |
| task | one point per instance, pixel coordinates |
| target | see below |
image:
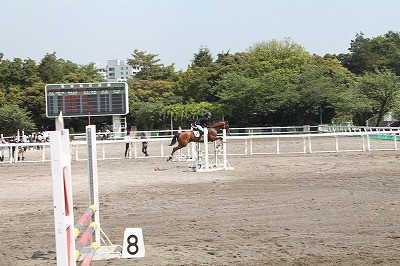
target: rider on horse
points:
(203, 122)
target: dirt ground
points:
(293, 209)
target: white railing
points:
(315, 143)
(239, 144)
(15, 152)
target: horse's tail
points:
(174, 139)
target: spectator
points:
(2, 141)
(13, 140)
(127, 138)
(144, 144)
(21, 150)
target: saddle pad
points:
(196, 133)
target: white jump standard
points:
(203, 164)
(69, 252)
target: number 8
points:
(130, 244)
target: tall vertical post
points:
(205, 135)
(224, 149)
(117, 125)
(93, 178)
(59, 122)
(62, 197)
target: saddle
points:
(196, 131)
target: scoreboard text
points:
(84, 99)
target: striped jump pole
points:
(84, 239)
(84, 220)
(89, 256)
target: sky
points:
(85, 31)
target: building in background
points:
(119, 71)
(101, 70)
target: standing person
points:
(128, 138)
(2, 141)
(203, 122)
(144, 144)
(13, 140)
(21, 149)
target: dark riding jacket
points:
(202, 121)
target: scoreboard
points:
(84, 99)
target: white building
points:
(119, 71)
(103, 72)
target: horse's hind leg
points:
(173, 151)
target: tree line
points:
(272, 82)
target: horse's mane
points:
(214, 123)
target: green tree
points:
(50, 69)
(184, 114)
(152, 90)
(369, 54)
(195, 85)
(11, 73)
(203, 58)
(241, 97)
(319, 85)
(382, 89)
(13, 118)
(35, 103)
(30, 73)
(149, 67)
(273, 55)
(146, 115)
(3, 99)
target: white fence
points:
(242, 142)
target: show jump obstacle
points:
(203, 163)
(66, 232)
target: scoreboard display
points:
(84, 99)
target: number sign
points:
(133, 245)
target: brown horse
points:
(185, 137)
